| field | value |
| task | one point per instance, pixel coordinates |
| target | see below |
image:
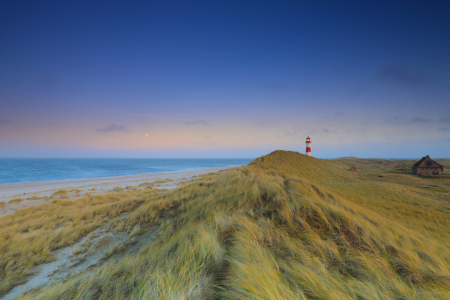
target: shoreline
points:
(92, 186)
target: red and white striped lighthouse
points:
(308, 146)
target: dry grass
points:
(28, 236)
(286, 226)
(15, 200)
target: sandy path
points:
(93, 186)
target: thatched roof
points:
(427, 162)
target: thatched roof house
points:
(427, 166)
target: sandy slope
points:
(101, 185)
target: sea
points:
(30, 170)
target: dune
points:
(286, 226)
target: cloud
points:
(265, 123)
(326, 130)
(260, 123)
(275, 86)
(420, 120)
(197, 123)
(444, 120)
(5, 121)
(415, 120)
(400, 74)
(112, 127)
(444, 129)
(395, 120)
(292, 133)
(340, 113)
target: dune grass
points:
(15, 200)
(286, 226)
(29, 235)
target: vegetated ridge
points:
(286, 226)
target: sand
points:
(93, 186)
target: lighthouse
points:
(308, 146)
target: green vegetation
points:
(286, 226)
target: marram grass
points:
(286, 226)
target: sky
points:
(224, 79)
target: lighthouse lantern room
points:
(308, 146)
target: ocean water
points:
(29, 170)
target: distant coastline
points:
(14, 170)
(40, 192)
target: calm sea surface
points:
(28, 170)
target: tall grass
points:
(286, 226)
(29, 235)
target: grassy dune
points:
(286, 226)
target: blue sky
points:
(224, 79)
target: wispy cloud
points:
(197, 123)
(420, 120)
(112, 127)
(444, 120)
(5, 121)
(265, 123)
(275, 86)
(400, 120)
(444, 129)
(400, 74)
(395, 120)
(292, 133)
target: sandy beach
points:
(28, 191)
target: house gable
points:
(427, 166)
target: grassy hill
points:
(286, 226)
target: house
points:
(427, 166)
(353, 169)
